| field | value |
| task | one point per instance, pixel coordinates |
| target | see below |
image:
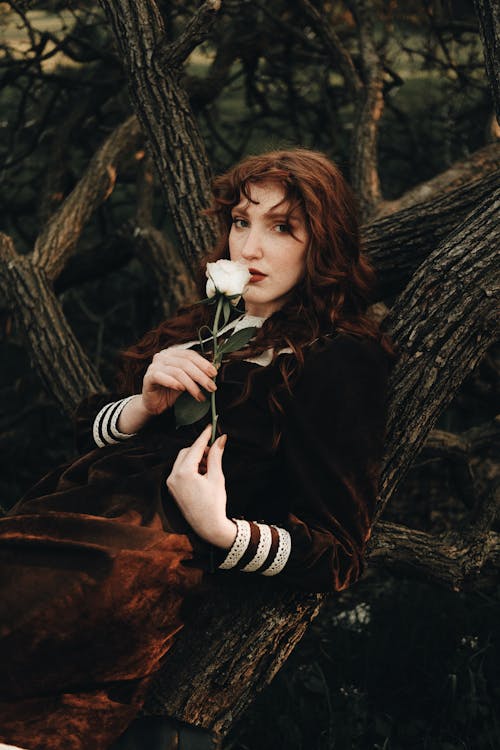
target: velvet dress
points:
(96, 559)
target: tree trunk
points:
(49, 339)
(488, 14)
(369, 109)
(163, 109)
(443, 322)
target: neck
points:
(254, 314)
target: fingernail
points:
(223, 441)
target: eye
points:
(239, 223)
(283, 228)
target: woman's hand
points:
(202, 498)
(173, 371)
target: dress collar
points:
(246, 320)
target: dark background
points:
(395, 662)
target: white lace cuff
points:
(105, 431)
(258, 547)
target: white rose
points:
(227, 277)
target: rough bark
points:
(162, 106)
(49, 339)
(398, 244)
(443, 322)
(461, 560)
(216, 683)
(488, 14)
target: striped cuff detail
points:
(262, 550)
(282, 555)
(239, 545)
(104, 430)
(258, 547)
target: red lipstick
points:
(256, 275)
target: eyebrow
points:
(270, 214)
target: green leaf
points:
(188, 410)
(205, 301)
(238, 340)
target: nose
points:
(253, 245)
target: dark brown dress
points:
(96, 559)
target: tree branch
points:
(194, 34)
(366, 93)
(398, 245)
(60, 236)
(339, 55)
(478, 165)
(488, 14)
(453, 559)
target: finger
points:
(156, 376)
(192, 376)
(187, 384)
(196, 373)
(214, 461)
(195, 451)
(201, 361)
(191, 361)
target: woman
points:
(100, 555)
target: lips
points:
(256, 272)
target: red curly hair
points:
(338, 285)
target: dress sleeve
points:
(332, 448)
(95, 421)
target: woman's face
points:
(260, 238)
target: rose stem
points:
(215, 416)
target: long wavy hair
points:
(337, 287)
